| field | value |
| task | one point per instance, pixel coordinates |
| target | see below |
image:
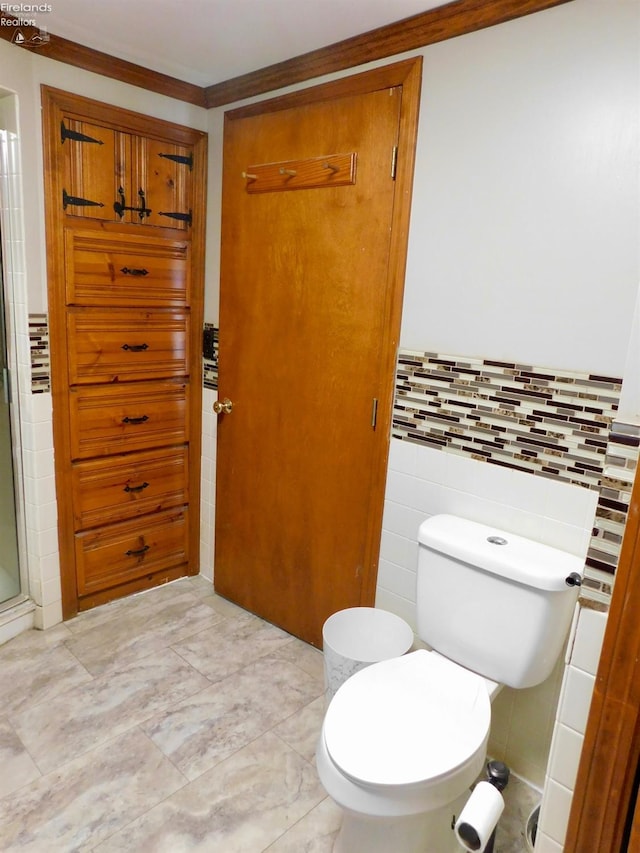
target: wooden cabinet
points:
(132, 269)
(113, 555)
(117, 488)
(118, 176)
(125, 242)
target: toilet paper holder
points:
(476, 825)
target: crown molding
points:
(444, 22)
(88, 59)
(454, 19)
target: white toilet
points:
(404, 739)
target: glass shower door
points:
(9, 566)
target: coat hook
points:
(291, 172)
(249, 177)
(331, 166)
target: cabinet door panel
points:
(132, 270)
(95, 168)
(162, 171)
(122, 552)
(106, 419)
(126, 345)
(119, 488)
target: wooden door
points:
(308, 331)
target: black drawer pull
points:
(139, 488)
(134, 271)
(129, 420)
(137, 553)
(135, 347)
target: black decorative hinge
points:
(142, 210)
(179, 158)
(67, 133)
(74, 201)
(181, 217)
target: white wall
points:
(524, 231)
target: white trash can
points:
(357, 637)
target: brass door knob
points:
(223, 406)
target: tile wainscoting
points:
(542, 451)
(40, 353)
(548, 423)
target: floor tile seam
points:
(59, 770)
(121, 730)
(306, 673)
(218, 760)
(105, 614)
(273, 731)
(117, 667)
(221, 620)
(28, 752)
(269, 653)
(28, 706)
(142, 814)
(111, 673)
(220, 681)
(107, 619)
(275, 841)
(299, 711)
(76, 658)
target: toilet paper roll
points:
(479, 817)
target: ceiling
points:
(205, 42)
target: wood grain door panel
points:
(110, 270)
(123, 552)
(163, 170)
(119, 488)
(126, 345)
(305, 315)
(95, 168)
(122, 418)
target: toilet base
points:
(421, 833)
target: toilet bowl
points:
(401, 744)
(404, 739)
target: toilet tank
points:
(496, 603)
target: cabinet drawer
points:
(123, 344)
(123, 552)
(115, 489)
(129, 270)
(123, 418)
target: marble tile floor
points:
(166, 722)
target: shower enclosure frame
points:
(13, 283)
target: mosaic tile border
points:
(210, 365)
(40, 354)
(41, 359)
(551, 423)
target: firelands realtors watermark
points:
(19, 16)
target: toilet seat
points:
(408, 720)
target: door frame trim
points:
(408, 75)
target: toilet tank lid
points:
(499, 552)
